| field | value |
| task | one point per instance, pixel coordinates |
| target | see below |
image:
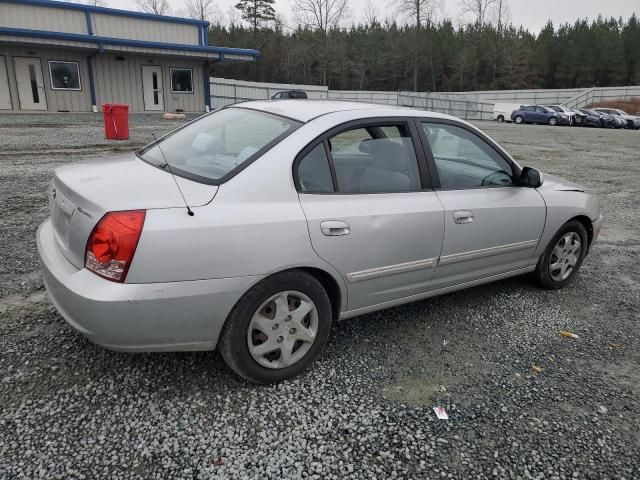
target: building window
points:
(64, 75)
(181, 80)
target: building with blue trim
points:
(67, 57)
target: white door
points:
(5, 96)
(30, 83)
(152, 87)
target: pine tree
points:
(256, 12)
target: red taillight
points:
(113, 242)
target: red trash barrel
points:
(116, 121)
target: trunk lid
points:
(81, 193)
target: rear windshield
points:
(216, 145)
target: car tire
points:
(549, 273)
(519, 119)
(553, 121)
(500, 119)
(237, 343)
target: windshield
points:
(215, 145)
(557, 109)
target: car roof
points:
(307, 110)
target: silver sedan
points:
(255, 227)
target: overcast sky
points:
(533, 14)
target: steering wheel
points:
(503, 179)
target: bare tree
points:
(157, 7)
(421, 12)
(500, 13)
(478, 8)
(200, 9)
(370, 13)
(321, 15)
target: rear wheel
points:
(563, 257)
(278, 328)
(553, 121)
(519, 119)
(500, 119)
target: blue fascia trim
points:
(101, 41)
(107, 11)
(87, 14)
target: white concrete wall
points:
(226, 91)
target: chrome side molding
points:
(391, 270)
(486, 252)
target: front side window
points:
(181, 80)
(375, 159)
(218, 143)
(64, 75)
(464, 160)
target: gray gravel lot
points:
(70, 409)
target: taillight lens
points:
(113, 242)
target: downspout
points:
(92, 86)
(207, 86)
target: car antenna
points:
(189, 211)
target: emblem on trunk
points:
(54, 193)
(85, 212)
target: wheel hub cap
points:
(283, 329)
(565, 256)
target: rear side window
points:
(314, 173)
(217, 144)
(375, 159)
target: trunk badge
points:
(85, 212)
(54, 193)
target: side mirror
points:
(530, 177)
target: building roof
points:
(22, 29)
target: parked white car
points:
(502, 111)
(574, 119)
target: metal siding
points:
(188, 102)
(147, 30)
(42, 18)
(73, 101)
(120, 81)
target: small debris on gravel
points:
(70, 409)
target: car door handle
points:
(334, 228)
(463, 217)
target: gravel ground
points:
(523, 401)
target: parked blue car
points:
(539, 114)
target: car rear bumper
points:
(137, 317)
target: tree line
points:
(439, 56)
(414, 51)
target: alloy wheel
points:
(565, 256)
(283, 329)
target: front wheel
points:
(553, 121)
(519, 119)
(277, 328)
(500, 119)
(563, 257)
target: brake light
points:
(113, 242)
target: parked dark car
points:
(539, 114)
(290, 94)
(598, 119)
(631, 121)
